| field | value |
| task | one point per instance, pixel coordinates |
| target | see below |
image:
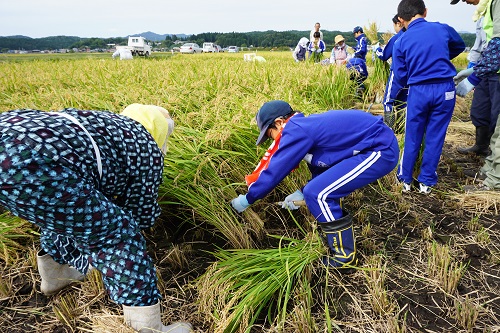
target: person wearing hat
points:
(299, 53)
(339, 55)
(361, 43)
(89, 180)
(394, 94)
(344, 150)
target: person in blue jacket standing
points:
(431, 96)
(344, 149)
(395, 95)
(357, 64)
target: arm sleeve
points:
(294, 145)
(489, 63)
(456, 44)
(399, 66)
(495, 13)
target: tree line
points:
(262, 39)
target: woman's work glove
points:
(240, 203)
(464, 87)
(463, 74)
(288, 202)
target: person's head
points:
(357, 31)
(396, 23)
(317, 26)
(303, 42)
(155, 119)
(339, 40)
(409, 9)
(271, 117)
(316, 35)
(470, 2)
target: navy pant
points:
(486, 103)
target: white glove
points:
(464, 87)
(375, 47)
(288, 202)
(240, 203)
(462, 75)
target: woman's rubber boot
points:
(339, 235)
(147, 319)
(54, 275)
(481, 147)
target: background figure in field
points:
(395, 96)
(317, 27)
(485, 105)
(125, 54)
(431, 95)
(299, 53)
(89, 180)
(316, 48)
(357, 64)
(339, 55)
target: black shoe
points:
(475, 174)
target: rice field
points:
(427, 264)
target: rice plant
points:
(441, 267)
(466, 312)
(242, 284)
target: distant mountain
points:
(156, 37)
(16, 36)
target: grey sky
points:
(113, 18)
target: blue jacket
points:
(386, 53)
(419, 59)
(327, 138)
(361, 47)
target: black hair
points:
(285, 117)
(316, 34)
(407, 9)
(395, 19)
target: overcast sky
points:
(113, 18)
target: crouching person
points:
(89, 180)
(344, 149)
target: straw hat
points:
(339, 39)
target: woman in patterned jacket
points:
(89, 180)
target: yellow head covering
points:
(154, 118)
(480, 9)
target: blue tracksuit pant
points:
(429, 111)
(323, 192)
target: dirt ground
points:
(400, 230)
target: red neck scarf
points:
(266, 159)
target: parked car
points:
(191, 48)
(210, 48)
(233, 49)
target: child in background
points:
(431, 97)
(395, 95)
(316, 48)
(299, 54)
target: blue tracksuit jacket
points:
(361, 47)
(424, 65)
(345, 150)
(393, 91)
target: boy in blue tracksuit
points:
(358, 61)
(394, 93)
(345, 150)
(428, 72)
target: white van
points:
(210, 47)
